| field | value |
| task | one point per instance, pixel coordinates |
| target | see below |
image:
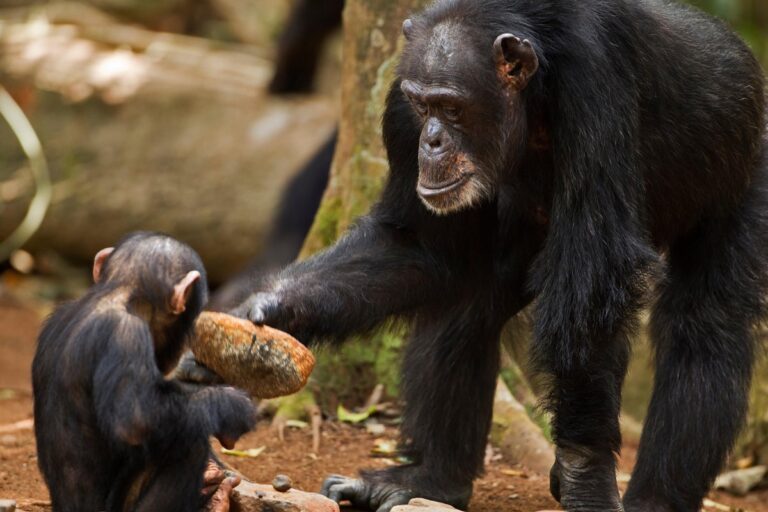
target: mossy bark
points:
(371, 45)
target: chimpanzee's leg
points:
(449, 375)
(176, 480)
(309, 25)
(702, 330)
(585, 403)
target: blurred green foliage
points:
(748, 17)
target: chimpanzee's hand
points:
(194, 372)
(262, 308)
(236, 416)
(218, 488)
(377, 496)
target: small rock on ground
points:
(7, 505)
(250, 497)
(741, 481)
(282, 483)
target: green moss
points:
(514, 380)
(324, 228)
(349, 373)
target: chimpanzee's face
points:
(472, 119)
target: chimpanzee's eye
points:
(420, 107)
(452, 113)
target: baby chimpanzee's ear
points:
(98, 262)
(182, 291)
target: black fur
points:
(308, 26)
(107, 422)
(637, 150)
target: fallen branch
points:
(33, 149)
(116, 61)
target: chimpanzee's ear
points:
(516, 60)
(98, 262)
(182, 290)
(408, 29)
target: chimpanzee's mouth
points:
(428, 190)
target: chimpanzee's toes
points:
(339, 488)
(377, 496)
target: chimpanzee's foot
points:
(583, 480)
(366, 495)
(375, 492)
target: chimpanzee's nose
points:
(434, 136)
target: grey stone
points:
(282, 483)
(250, 497)
(741, 481)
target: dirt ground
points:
(343, 450)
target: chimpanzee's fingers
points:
(331, 481)
(190, 370)
(262, 307)
(208, 490)
(342, 488)
(220, 501)
(213, 474)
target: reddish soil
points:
(343, 450)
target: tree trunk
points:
(371, 45)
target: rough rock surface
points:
(250, 497)
(261, 360)
(422, 505)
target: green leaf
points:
(251, 453)
(354, 417)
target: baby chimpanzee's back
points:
(104, 412)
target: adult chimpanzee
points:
(112, 433)
(549, 150)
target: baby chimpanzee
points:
(112, 432)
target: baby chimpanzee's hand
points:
(237, 416)
(191, 370)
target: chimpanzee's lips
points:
(437, 189)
